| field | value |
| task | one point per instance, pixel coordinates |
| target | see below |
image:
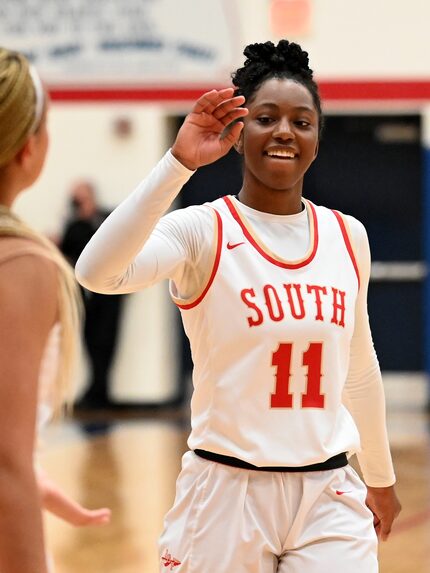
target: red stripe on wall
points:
(375, 90)
(89, 94)
(330, 91)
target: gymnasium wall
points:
(356, 48)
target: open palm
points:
(202, 137)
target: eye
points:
(264, 119)
(302, 123)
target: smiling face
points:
(279, 142)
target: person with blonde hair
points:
(39, 317)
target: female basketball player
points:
(38, 325)
(272, 291)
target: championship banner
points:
(116, 42)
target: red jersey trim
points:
(214, 268)
(348, 244)
(279, 263)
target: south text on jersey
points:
(288, 300)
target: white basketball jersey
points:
(270, 344)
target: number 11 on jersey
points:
(311, 360)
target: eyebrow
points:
(298, 107)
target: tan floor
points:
(132, 469)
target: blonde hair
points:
(17, 104)
(17, 121)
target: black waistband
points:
(338, 461)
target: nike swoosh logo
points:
(338, 492)
(234, 245)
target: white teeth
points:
(281, 153)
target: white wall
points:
(350, 39)
(84, 145)
(367, 39)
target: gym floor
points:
(129, 461)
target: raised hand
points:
(203, 137)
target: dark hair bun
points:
(286, 56)
(264, 61)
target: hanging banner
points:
(114, 42)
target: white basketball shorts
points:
(232, 520)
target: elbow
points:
(82, 276)
(86, 277)
(90, 281)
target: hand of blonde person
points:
(385, 506)
(87, 517)
(203, 137)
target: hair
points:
(264, 61)
(17, 104)
(19, 108)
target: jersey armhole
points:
(212, 270)
(346, 234)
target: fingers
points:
(210, 100)
(385, 524)
(232, 116)
(229, 110)
(100, 516)
(384, 527)
(96, 517)
(385, 507)
(232, 133)
(221, 105)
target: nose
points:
(283, 130)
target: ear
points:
(25, 154)
(239, 144)
(317, 148)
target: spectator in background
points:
(102, 312)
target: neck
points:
(276, 201)
(9, 189)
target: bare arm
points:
(28, 294)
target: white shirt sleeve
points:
(364, 391)
(136, 247)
